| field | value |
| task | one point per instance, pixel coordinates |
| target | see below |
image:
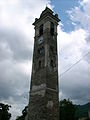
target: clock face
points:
(40, 40)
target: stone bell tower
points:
(44, 92)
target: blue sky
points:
(17, 42)
(61, 7)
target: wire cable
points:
(74, 64)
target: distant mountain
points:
(82, 110)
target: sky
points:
(16, 49)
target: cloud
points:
(16, 46)
(81, 15)
(74, 83)
(70, 48)
(5, 52)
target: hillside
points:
(82, 110)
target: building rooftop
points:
(45, 13)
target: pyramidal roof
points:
(45, 13)
(47, 10)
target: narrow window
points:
(52, 28)
(51, 63)
(41, 51)
(41, 30)
(39, 64)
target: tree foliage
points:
(67, 110)
(4, 114)
(24, 113)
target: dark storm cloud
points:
(14, 51)
(16, 43)
(76, 83)
(5, 91)
(78, 95)
(12, 82)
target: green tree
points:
(67, 110)
(4, 114)
(24, 113)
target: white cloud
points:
(81, 14)
(71, 47)
(5, 52)
(74, 84)
(16, 44)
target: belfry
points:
(44, 91)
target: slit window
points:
(51, 63)
(41, 30)
(52, 28)
(39, 64)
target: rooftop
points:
(45, 13)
